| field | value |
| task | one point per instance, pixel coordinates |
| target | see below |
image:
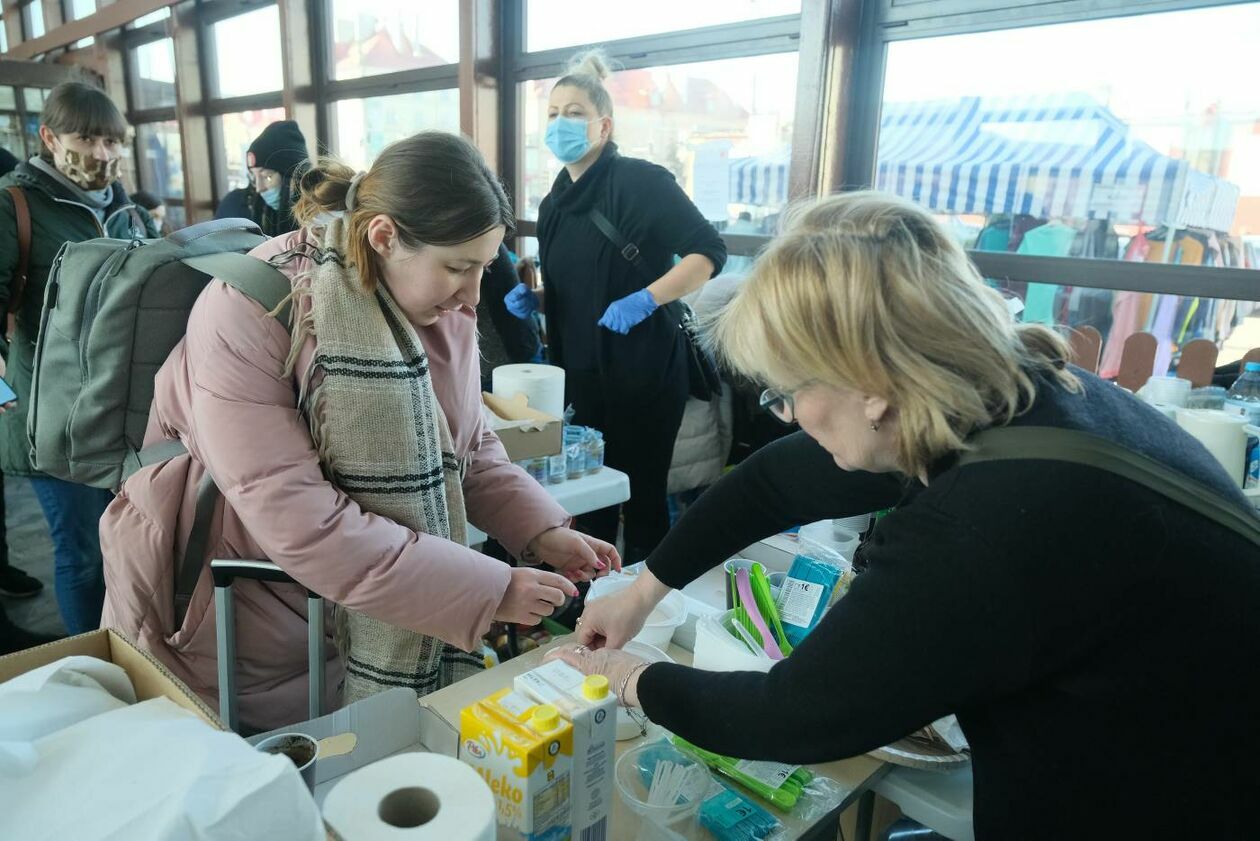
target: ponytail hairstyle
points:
(435, 186)
(587, 72)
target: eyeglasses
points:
(780, 405)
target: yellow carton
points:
(524, 752)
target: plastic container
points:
(627, 727)
(639, 764)
(661, 623)
(594, 452)
(1208, 397)
(1167, 391)
(1243, 397)
(859, 524)
(557, 467)
(733, 565)
(823, 539)
(717, 649)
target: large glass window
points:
(81, 8)
(33, 99)
(152, 17)
(366, 126)
(154, 77)
(159, 155)
(34, 15)
(238, 131)
(8, 98)
(724, 128)
(11, 135)
(247, 53)
(551, 24)
(384, 36)
(1148, 153)
(4, 36)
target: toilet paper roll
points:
(415, 796)
(1222, 434)
(542, 385)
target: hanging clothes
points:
(1053, 239)
(1125, 311)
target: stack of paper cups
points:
(1222, 433)
(857, 524)
(542, 385)
(412, 796)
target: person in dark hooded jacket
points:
(276, 160)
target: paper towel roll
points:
(415, 796)
(1222, 434)
(542, 385)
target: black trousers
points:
(639, 432)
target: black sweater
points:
(584, 272)
(1099, 643)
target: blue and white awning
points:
(759, 181)
(1062, 156)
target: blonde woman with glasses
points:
(1096, 639)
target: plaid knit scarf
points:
(384, 440)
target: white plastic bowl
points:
(661, 623)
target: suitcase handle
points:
(224, 573)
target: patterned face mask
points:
(88, 172)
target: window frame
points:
(937, 18)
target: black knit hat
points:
(281, 147)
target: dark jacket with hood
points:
(648, 207)
(58, 216)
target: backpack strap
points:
(1073, 446)
(190, 565)
(251, 276)
(22, 214)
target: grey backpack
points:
(113, 311)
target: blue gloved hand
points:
(521, 301)
(626, 313)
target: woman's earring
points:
(874, 426)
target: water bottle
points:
(1244, 397)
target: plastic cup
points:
(635, 792)
(732, 566)
(301, 750)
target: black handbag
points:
(703, 382)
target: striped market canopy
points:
(1048, 157)
(759, 181)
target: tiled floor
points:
(30, 550)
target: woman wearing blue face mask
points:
(624, 356)
(276, 160)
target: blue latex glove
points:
(521, 301)
(626, 313)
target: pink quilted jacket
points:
(223, 393)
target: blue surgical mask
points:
(271, 197)
(567, 140)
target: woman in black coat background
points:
(608, 326)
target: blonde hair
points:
(435, 186)
(587, 71)
(867, 291)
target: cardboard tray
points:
(526, 433)
(149, 677)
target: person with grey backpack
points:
(317, 406)
(70, 192)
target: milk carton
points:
(524, 752)
(592, 709)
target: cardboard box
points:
(526, 433)
(149, 677)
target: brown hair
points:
(435, 186)
(867, 291)
(587, 72)
(80, 108)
